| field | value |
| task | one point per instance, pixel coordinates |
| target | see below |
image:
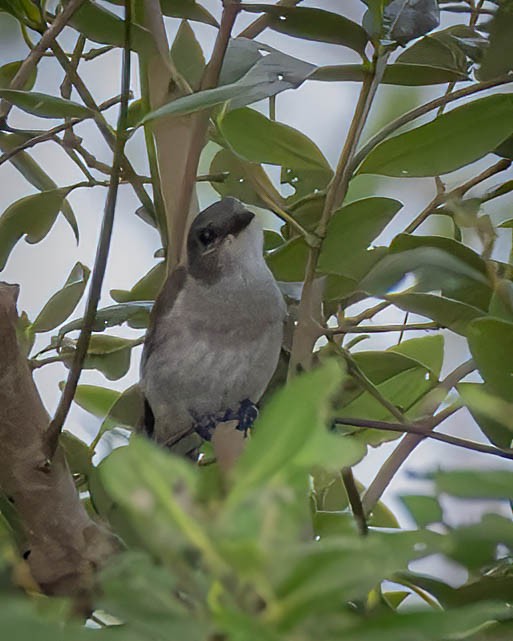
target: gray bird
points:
(215, 331)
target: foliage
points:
(276, 548)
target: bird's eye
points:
(207, 236)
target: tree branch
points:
(55, 427)
(63, 546)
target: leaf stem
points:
(55, 427)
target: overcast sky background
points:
(320, 110)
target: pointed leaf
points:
(45, 106)
(9, 70)
(187, 55)
(444, 144)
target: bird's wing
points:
(163, 304)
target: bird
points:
(215, 332)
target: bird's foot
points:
(245, 416)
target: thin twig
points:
(305, 333)
(355, 500)
(52, 133)
(103, 126)
(30, 62)
(426, 432)
(379, 329)
(55, 427)
(410, 441)
(422, 110)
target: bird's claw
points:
(245, 416)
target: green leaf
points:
(288, 262)
(108, 354)
(447, 312)
(94, 399)
(256, 138)
(45, 106)
(145, 289)
(473, 484)
(313, 24)
(444, 144)
(103, 26)
(302, 439)
(35, 175)
(269, 76)
(352, 229)
(32, 216)
(423, 509)
(501, 303)
(491, 343)
(432, 50)
(238, 183)
(187, 55)
(428, 351)
(64, 302)
(188, 10)
(135, 313)
(412, 75)
(9, 70)
(126, 411)
(493, 414)
(78, 455)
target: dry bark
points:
(63, 546)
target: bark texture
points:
(63, 546)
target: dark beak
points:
(240, 221)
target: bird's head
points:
(223, 237)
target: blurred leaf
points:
(187, 55)
(492, 414)
(423, 509)
(491, 344)
(103, 26)
(108, 354)
(43, 105)
(64, 302)
(255, 138)
(146, 289)
(126, 410)
(398, 73)
(444, 144)
(313, 24)
(32, 216)
(302, 439)
(404, 20)
(498, 57)
(135, 313)
(352, 229)
(269, 76)
(501, 303)
(473, 484)
(9, 70)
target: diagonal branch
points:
(55, 427)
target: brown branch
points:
(426, 432)
(355, 500)
(378, 329)
(410, 441)
(30, 62)
(63, 546)
(55, 427)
